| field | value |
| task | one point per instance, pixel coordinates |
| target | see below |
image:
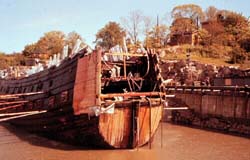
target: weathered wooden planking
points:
(117, 128)
(87, 84)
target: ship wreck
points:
(97, 99)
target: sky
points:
(23, 22)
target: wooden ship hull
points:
(82, 103)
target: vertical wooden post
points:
(150, 127)
(98, 79)
(138, 125)
(124, 66)
(162, 122)
(201, 115)
(234, 102)
(244, 110)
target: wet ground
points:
(171, 142)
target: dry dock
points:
(171, 142)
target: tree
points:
(132, 24)
(14, 59)
(234, 23)
(245, 43)
(29, 50)
(211, 13)
(148, 25)
(183, 25)
(51, 43)
(109, 36)
(190, 11)
(238, 55)
(157, 37)
(71, 39)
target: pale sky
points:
(25, 21)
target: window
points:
(51, 101)
(30, 105)
(50, 83)
(39, 103)
(16, 90)
(64, 96)
(8, 89)
(32, 88)
(39, 86)
(19, 90)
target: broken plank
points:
(15, 102)
(21, 94)
(11, 107)
(23, 115)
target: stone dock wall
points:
(222, 108)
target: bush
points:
(238, 55)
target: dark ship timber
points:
(86, 102)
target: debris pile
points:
(193, 73)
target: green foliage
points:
(245, 43)
(109, 36)
(156, 38)
(51, 43)
(132, 24)
(14, 59)
(211, 13)
(227, 35)
(238, 55)
(29, 50)
(71, 40)
(182, 25)
(190, 11)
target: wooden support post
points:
(150, 127)
(124, 66)
(162, 124)
(138, 126)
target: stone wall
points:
(223, 110)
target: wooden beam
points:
(8, 97)
(175, 108)
(23, 115)
(170, 96)
(210, 88)
(126, 54)
(124, 66)
(20, 94)
(17, 113)
(130, 94)
(15, 102)
(121, 79)
(10, 107)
